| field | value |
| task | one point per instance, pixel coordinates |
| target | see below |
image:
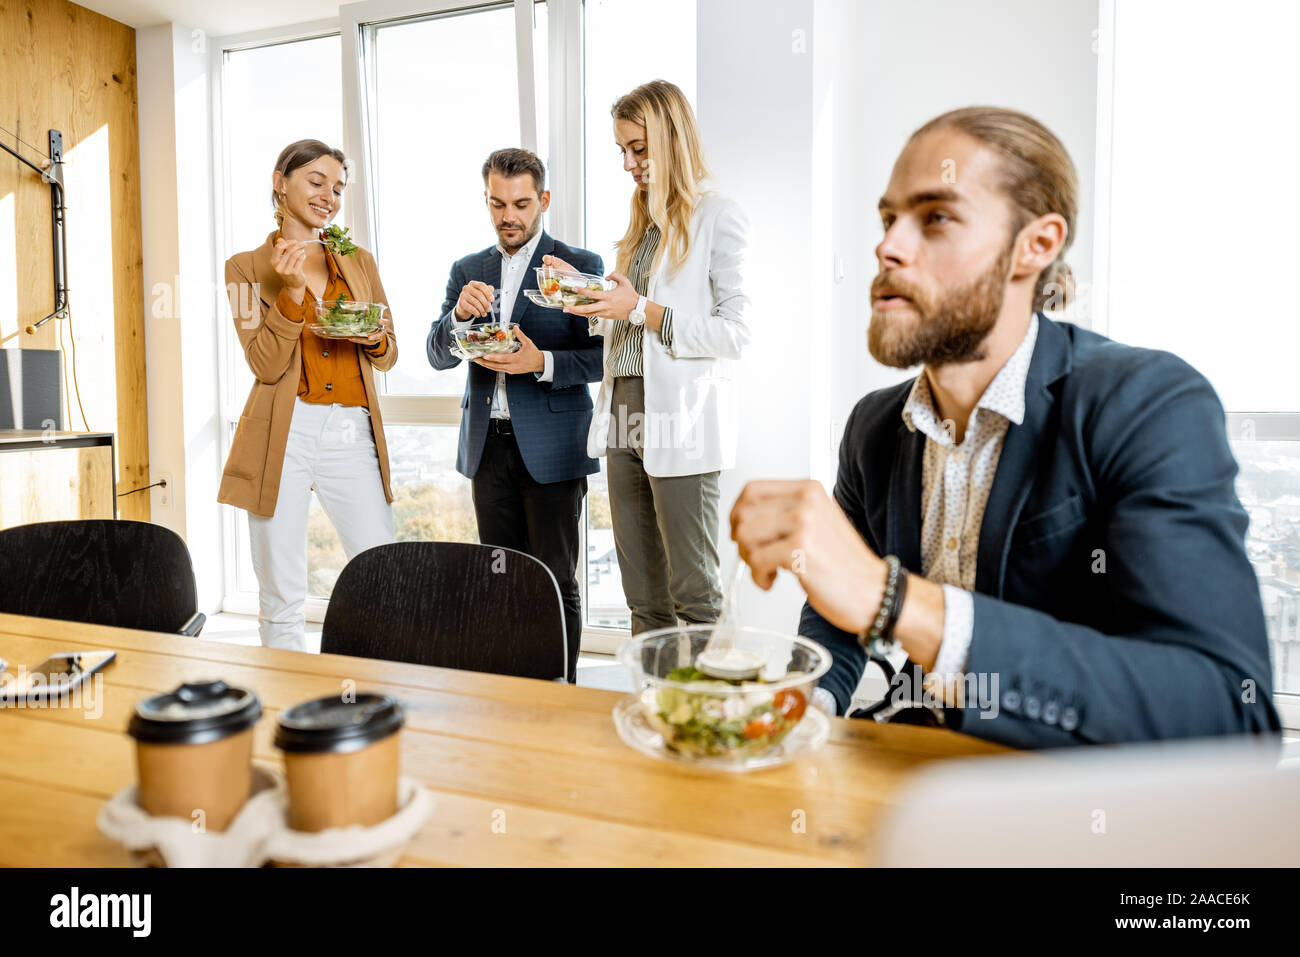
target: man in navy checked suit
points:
(523, 434)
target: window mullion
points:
(526, 74)
(565, 165)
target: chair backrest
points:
(449, 604)
(101, 571)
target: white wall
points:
(754, 90)
(180, 292)
(893, 66)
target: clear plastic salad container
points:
(347, 317)
(707, 718)
(560, 288)
(485, 339)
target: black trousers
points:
(541, 520)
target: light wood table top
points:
(545, 754)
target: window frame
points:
(228, 353)
(355, 26)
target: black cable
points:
(161, 483)
(22, 159)
(34, 149)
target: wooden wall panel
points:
(65, 67)
(50, 485)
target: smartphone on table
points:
(56, 676)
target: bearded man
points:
(1043, 519)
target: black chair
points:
(100, 571)
(449, 604)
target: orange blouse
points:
(331, 370)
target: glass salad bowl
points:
(485, 339)
(343, 318)
(681, 713)
(559, 288)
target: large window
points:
(444, 94)
(1197, 253)
(664, 50)
(1268, 452)
(255, 127)
(418, 93)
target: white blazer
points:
(691, 416)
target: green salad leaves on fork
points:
(336, 239)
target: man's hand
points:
(527, 359)
(795, 525)
(475, 301)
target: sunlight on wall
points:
(90, 279)
(8, 271)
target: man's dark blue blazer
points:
(550, 419)
(1111, 576)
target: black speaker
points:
(31, 389)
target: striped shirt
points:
(627, 341)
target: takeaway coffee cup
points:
(194, 751)
(341, 760)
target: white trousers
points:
(331, 451)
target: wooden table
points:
(545, 754)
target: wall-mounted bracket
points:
(53, 176)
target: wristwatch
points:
(637, 315)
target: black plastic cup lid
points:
(195, 713)
(338, 723)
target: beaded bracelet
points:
(878, 639)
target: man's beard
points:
(528, 237)
(953, 329)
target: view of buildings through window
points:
(1269, 488)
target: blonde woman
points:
(311, 422)
(673, 325)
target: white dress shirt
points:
(514, 270)
(955, 485)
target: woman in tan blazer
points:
(311, 422)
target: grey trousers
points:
(665, 529)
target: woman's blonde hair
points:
(675, 172)
(1038, 177)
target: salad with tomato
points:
(569, 290)
(705, 719)
(487, 339)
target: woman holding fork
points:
(311, 422)
(674, 324)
